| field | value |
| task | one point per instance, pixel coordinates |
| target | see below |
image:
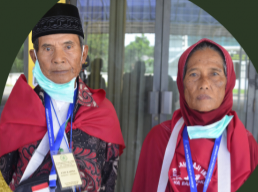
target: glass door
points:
(134, 48)
(122, 36)
(137, 82)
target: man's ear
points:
(84, 54)
(32, 55)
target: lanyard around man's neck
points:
(54, 144)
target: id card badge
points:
(67, 170)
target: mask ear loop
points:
(85, 71)
(82, 53)
(35, 54)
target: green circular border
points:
(18, 17)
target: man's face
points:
(205, 81)
(60, 57)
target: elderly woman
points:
(205, 147)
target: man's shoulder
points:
(107, 103)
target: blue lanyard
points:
(54, 145)
(189, 162)
(60, 124)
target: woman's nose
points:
(204, 83)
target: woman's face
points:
(205, 80)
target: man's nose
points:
(204, 83)
(58, 56)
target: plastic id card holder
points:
(67, 171)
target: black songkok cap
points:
(61, 18)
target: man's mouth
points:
(60, 72)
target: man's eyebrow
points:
(68, 42)
(46, 45)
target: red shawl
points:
(240, 143)
(23, 119)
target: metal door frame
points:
(161, 53)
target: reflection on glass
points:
(95, 16)
(135, 120)
(137, 83)
(95, 79)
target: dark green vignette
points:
(18, 17)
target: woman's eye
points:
(215, 74)
(48, 49)
(193, 74)
(69, 47)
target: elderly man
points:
(61, 120)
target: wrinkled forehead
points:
(230, 73)
(208, 54)
(200, 46)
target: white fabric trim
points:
(224, 166)
(169, 154)
(224, 163)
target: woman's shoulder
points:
(253, 147)
(159, 132)
(151, 158)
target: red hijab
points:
(237, 139)
(193, 117)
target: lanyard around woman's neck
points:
(189, 163)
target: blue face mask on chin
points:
(61, 92)
(211, 131)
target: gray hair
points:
(202, 46)
(36, 43)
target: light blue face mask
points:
(60, 92)
(211, 131)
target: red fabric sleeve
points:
(253, 146)
(151, 158)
